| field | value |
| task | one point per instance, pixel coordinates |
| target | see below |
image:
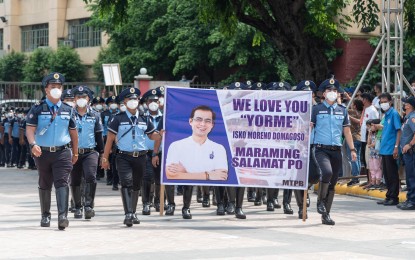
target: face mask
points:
(132, 104)
(98, 107)
(153, 106)
(145, 106)
(385, 106)
(56, 93)
(113, 106)
(20, 115)
(161, 101)
(9, 115)
(72, 104)
(331, 96)
(81, 102)
(123, 108)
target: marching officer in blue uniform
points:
(98, 106)
(25, 145)
(152, 174)
(90, 145)
(112, 104)
(7, 137)
(128, 130)
(68, 97)
(14, 134)
(330, 121)
(50, 130)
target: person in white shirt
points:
(196, 157)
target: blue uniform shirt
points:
(328, 123)
(6, 125)
(23, 126)
(408, 129)
(391, 125)
(88, 125)
(134, 139)
(106, 118)
(14, 124)
(51, 131)
(155, 120)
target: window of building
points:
(34, 36)
(83, 35)
(1, 39)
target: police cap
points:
(410, 101)
(236, 85)
(111, 99)
(150, 94)
(330, 84)
(98, 100)
(54, 77)
(83, 90)
(160, 91)
(306, 85)
(67, 93)
(129, 93)
(259, 86)
(281, 85)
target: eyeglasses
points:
(200, 120)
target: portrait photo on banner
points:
(236, 138)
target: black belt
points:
(133, 154)
(85, 150)
(53, 149)
(329, 147)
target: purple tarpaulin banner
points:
(257, 138)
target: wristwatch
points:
(396, 146)
(154, 154)
(353, 150)
(32, 144)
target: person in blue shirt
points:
(14, 139)
(98, 105)
(152, 174)
(407, 144)
(25, 145)
(51, 131)
(112, 104)
(90, 145)
(330, 122)
(7, 138)
(389, 149)
(128, 130)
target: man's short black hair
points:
(359, 104)
(369, 97)
(385, 95)
(203, 108)
(379, 86)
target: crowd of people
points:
(74, 139)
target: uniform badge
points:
(98, 99)
(212, 155)
(69, 91)
(154, 92)
(307, 83)
(237, 84)
(132, 90)
(259, 85)
(225, 87)
(281, 85)
(56, 76)
(162, 88)
(331, 81)
(81, 89)
(31, 116)
(248, 82)
(113, 97)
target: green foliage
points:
(11, 66)
(67, 61)
(38, 65)
(366, 13)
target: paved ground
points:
(363, 230)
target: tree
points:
(11, 66)
(67, 61)
(38, 65)
(168, 38)
(302, 30)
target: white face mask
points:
(161, 101)
(331, 96)
(385, 106)
(153, 106)
(81, 102)
(113, 106)
(145, 106)
(123, 108)
(98, 107)
(72, 104)
(132, 104)
(56, 93)
(9, 115)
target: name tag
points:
(142, 123)
(338, 113)
(323, 112)
(45, 113)
(64, 113)
(124, 123)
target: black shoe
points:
(352, 182)
(115, 187)
(321, 208)
(128, 220)
(206, 203)
(230, 208)
(258, 201)
(239, 213)
(264, 199)
(109, 183)
(33, 168)
(220, 210)
(135, 219)
(170, 210)
(300, 214)
(157, 206)
(326, 220)
(146, 209)
(198, 199)
(78, 213)
(97, 177)
(270, 206)
(276, 204)
(186, 213)
(19, 166)
(251, 196)
(10, 165)
(89, 212)
(288, 209)
(382, 202)
(391, 203)
(407, 206)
